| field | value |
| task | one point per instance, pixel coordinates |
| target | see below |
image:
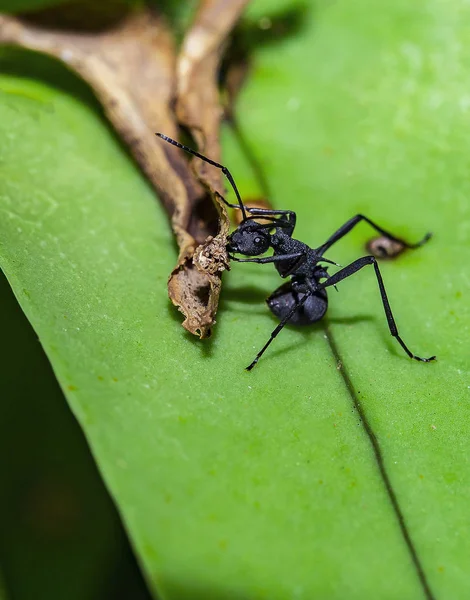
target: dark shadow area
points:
(253, 295)
(60, 533)
(87, 16)
(195, 591)
(247, 294)
(204, 218)
(178, 14)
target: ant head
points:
(250, 238)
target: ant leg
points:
(301, 257)
(298, 263)
(346, 228)
(353, 268)
(266, 212)
(275, 222)
(270, 259)
(256, 213)
(287, 225)
(278, 329)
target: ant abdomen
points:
(282, 301)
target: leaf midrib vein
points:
(373, 440)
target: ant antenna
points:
(224, 170)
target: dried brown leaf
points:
(130, 63)
(199, 109)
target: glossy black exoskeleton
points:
(303, 299)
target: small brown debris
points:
(385, 248)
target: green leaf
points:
(270, 484)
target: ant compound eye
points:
(258, 243)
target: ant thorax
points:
(284, 244)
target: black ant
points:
(302, 300)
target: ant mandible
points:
(302, 300)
